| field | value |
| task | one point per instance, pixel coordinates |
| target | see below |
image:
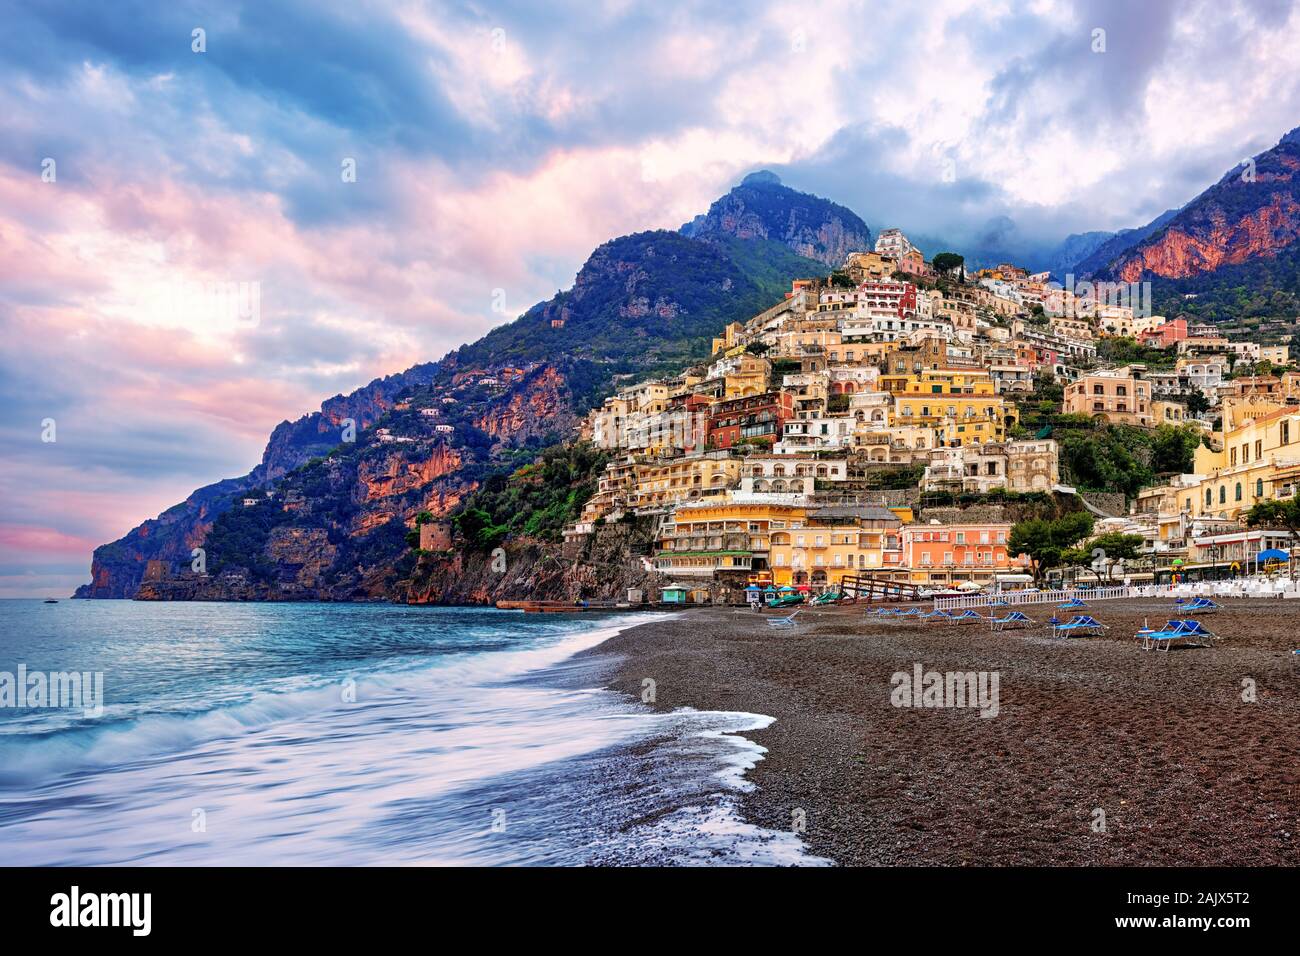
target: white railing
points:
(1238, 588)
(1047, 597)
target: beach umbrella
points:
(769, 590)
(786, 587)
(1273, 554)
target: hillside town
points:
(804, 452)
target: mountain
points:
(1073, 248)
(1253, 212)
(1115, 245)
(117, 568)
(762, 208)
(324, 517)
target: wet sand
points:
(1185, 771)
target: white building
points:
(892, 243)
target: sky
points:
(205, 233)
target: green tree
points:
(1196, 402)
(1173, 448)
(1113, 547)
(1047, 540)
(945, 262)
(1275, 514)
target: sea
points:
(355, 734)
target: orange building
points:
(949, 554)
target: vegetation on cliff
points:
(537, 500)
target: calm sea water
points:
(357, 734)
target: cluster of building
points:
(764, 463)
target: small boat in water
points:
(51, 600)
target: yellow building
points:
(961, 404)
(832, 542)
(704, 539)
(729, 339)
(668, 481)
(749, 378)
(1259, 461)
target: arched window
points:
(1223, 493)
(1259, 487)
(1239, 491)
(1209, 497)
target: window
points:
(1259, 449)
(1259, 487)
(1239, 491)
(1209, 497)
(961, 537)
(1223, 494)
(1284, 433)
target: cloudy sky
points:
(494, 145)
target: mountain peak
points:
(762, 207)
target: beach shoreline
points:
(1100, 753)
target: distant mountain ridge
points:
(324, 518)
(1116, 245)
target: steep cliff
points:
(117, 568)
(1253, 212)
(324, 517)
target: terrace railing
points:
(1047, 597)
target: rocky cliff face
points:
(117, 568)
(529, 569)
(762, 208)
(1214, 240)
(1253, 212)
(641, 304)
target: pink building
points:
(1170, 333)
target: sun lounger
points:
(1016, 619)
(1177, 630)
(1200, 606)
(907, 612)
(939, 616)
(782, 622)
(1079, 624)
(968, 616)
(1071, 604)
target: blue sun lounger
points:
(1200, 605)
(936, 616)
(968, 616)
(1174, 631)
(1071, 604)
(782, 622)
(1015, 619)
(1079, 624)
(907, 612)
